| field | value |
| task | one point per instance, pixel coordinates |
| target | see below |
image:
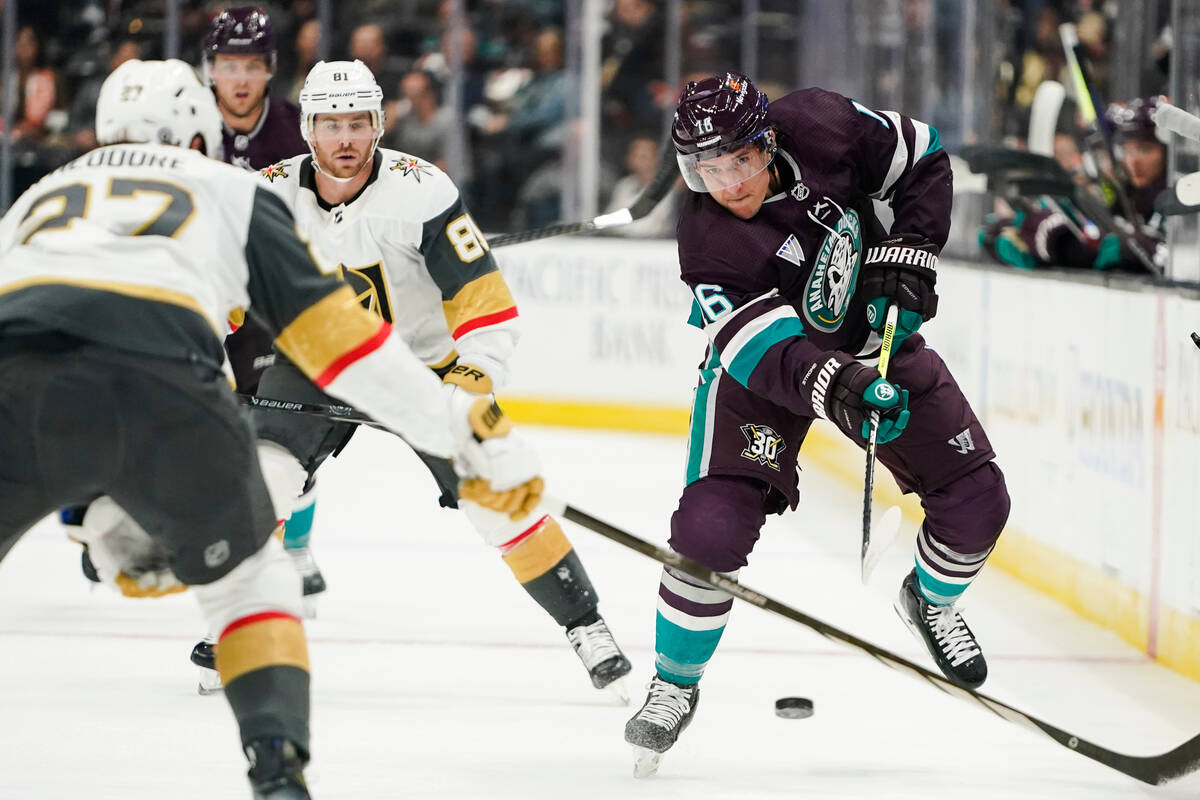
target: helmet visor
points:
(729, 164)
(360, 127)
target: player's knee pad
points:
(968, 514)
(284, 475)
(718, 521)
(263, 583)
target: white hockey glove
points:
(499, 469)
(123, 554)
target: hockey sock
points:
(263, 662)
(542, 560)
(299, 525)
(942, 574)
(691, 618)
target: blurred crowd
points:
(510, 143)
(1090, 193)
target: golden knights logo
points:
(763, 445)
(274, 171)
(410, 166)
(370, 285)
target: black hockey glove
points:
(901, 269)
(846, 392)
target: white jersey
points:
(408, 247)
(154, 221)
(149, 248)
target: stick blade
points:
(883, 534)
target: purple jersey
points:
(275, 137)
(776, 291)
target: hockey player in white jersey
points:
(410, 249)
(117, 273)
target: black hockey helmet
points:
(1134, 120)
(715, 117)
(243, 30)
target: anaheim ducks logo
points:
(410, 166)
(827, 295)
(274, 171)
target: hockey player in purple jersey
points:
(792, 273)
(258, 130)
(239, 58)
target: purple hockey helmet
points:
(716, 118)
(243, 31)
(1134, 120)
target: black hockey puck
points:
(1196, 338)
(793, 707)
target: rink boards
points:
(1090, 393)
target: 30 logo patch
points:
(763, 445)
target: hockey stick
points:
(885, 357)
(333, 413)
(1176, 120)
(1155, 770)
(658, 188)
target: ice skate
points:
(604, 661)
(314, 582)
(944, 633)
(276, 770)
(205, 657)
(656, 727)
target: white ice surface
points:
(435, 676)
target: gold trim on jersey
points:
(274, 642)
(328, 331)
(136, 290)
(540, 551)
(485, 300)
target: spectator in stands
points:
(642, 162)
(368, 44)
(426, 126)
(523, 144)
(632, 69)
(304, 56)
(82, 118)
(37, 90)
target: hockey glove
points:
(501, 469)
(122, 554)
(901, 269)
(846, 392)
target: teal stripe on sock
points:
(681, 655)
(943, 593)
(298, 527)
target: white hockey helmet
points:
(159, 102)
(340, 87)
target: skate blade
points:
(210, 683)
(645, 762)
(309, 606)
(618, 690)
